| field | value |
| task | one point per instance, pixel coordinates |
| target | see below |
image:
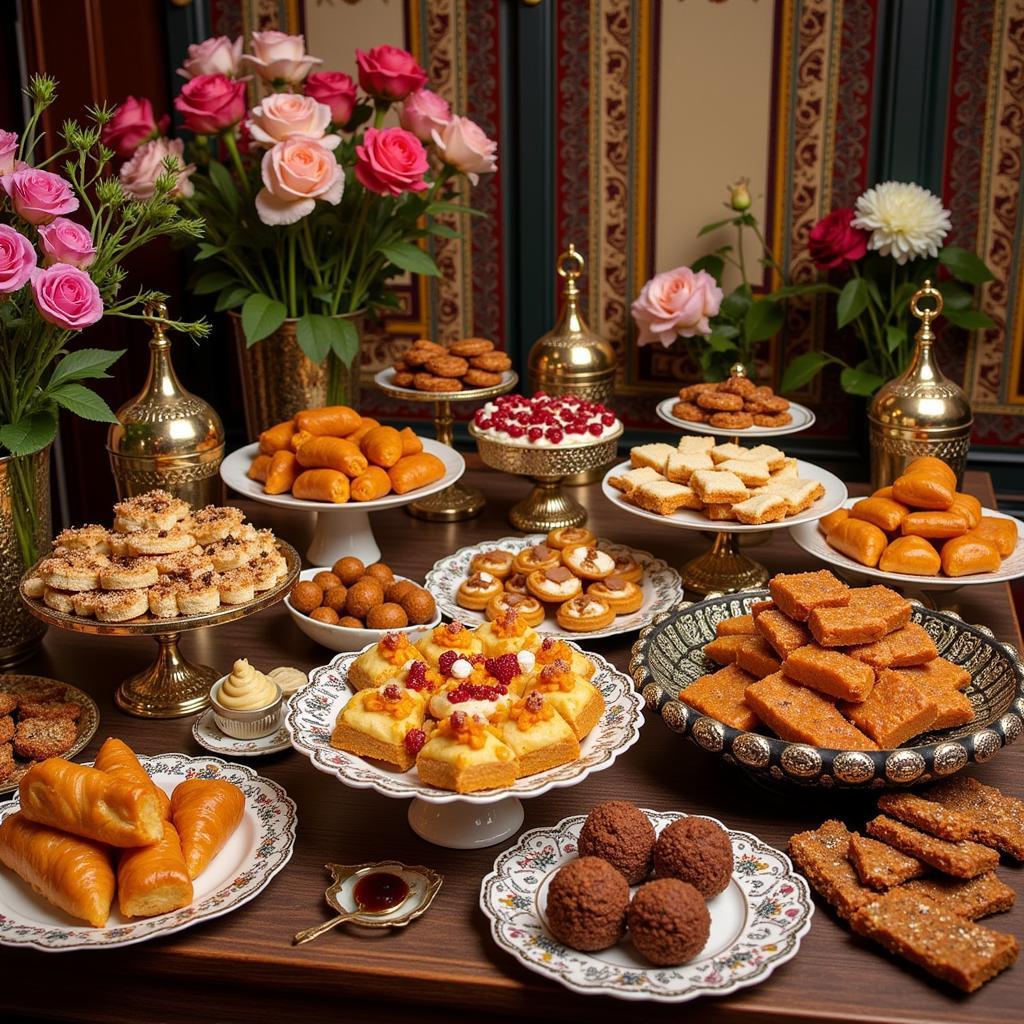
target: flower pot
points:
(24, 535)
(278, 379)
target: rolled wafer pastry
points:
(336, 420)
(282, 473)
(276, 438)
(153, 879)
(206, 813)
(382, 446)
(413, 471)
(259, 468)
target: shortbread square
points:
(653, 455)
(682, 465)
(696, 443)
(720, 513)
(775, 458)
(800, 495)
(722, 452)
(788, 470)
(761, 508)
(715, 487)
(753, 472)
(664, 497)
(628, 481)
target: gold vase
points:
(24, 536)
(921, 412)
(279, 379)
(166, 436)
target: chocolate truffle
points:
(587, 904)
(697, 851)
(668, 922)
(622, 835)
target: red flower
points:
(211, 103)
(336, 90)
(391, 161)
(388, 73)
(834, 241)
(132, 124)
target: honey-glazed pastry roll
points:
(372, 484)
(277, 437)
(336, 420)
(1001, 532)
(967, 506)
(924, 490)
(299, 438)
(89, 803)
(964, 556)
(366, 424)
(322, 485)
(884, 513)
(826, 524)
(414, 471)
(911, 555)
(282, 472)
(332, 453)
(936, 467)
(153, 879)
(934, 525)
(412, 443)
(206, 813)
(73, 874)
(116, 758)
(863, 542)
(259, 468)
(382, 446)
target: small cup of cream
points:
(246, 704)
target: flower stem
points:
(236, 159)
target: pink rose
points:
(388, 73)
(424, 112)
(215, 56)
(464, 145)
(133, 122)
(17, 259)
(279, 57)
(39, 196)
(64, 241)
(283, 114)
(678, 302)
(391, 161)
(8, 151)
(337, 90)
(211, 104)
(138, 175)
(296, 173)
(66, 297)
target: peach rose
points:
(677, 302)
(424, 112)
(296, 173)
(138, 175)
(279, 57)
(215, 56)
(464, 145)
(283, 114)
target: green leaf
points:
(708, 228)
(969, 319)
(315, 335)
(324, 294)
(30, 434)
(955, 296)
(853, 300)
(725, 329)
(714, 265)
(205, 250)
(763, 320)
(82, 402)
(719, 343)
(965, 265)
(261, 315)
(346, 342)
(232, 298)
(894, 337)
(437, 228)
(410, 257)
(444, 207)
(736, 304)
(811, 288)
(85, 364)
(803, 369)
(210, 283)
(224, 183)
(857, 381)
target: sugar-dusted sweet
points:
(720, 695)
(842, 627)
(996, 818)
(830, 672)
(757, 657)
(798, 594)
(895, 711)
(879, 600)
(969, 897)
(909, 645)
(879, 865)
(781, 631)
(963, 859)
(927, 815)
(821, 855)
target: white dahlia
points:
(906, 221)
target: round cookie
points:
(481, 379)
(587, 904)
(492, 362)
(689, 411)
(697, 851)
(742, 386)
(621, 834)
(403, 379)
(429, 382)
(467, 348)
(720, 401)
(732, 420)
(668, 922)
(446, 366)
(778, 419)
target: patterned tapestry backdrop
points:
(824, 55)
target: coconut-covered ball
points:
(668, 922)
(697, 851)
(587, 904)
(622, 835)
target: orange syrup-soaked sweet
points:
(396, 649)
(556, 676)
(456, 639)
(398, 707)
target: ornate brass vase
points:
(166, 436)
(921, 412)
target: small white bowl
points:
(246, 725)
(347, 638)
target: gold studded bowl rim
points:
(525, 460)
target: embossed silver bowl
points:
(669, 655)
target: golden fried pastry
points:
(529, 609)
(388, 615)
(477, 590)
(968, 507)
(381, 571)
(1000, 532)
(326, 615)
(431, 382)
(467, 348)
(570, 537)
(964, 556)
(305, 596)
(153, 879)
(588, 562)
(935, 525)
(362, 596)
(884, 513)
(859, 540)
(554, 585)
(492, 362)
(584, 614)
(628, 568)
(911, 555)
(497, 562)
(335, 598)
(474, 378)
(540, 556)
(349, 570)
(622, 596)
(419, 605)
(206, 813)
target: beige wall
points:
(714, 100)
(335, 29)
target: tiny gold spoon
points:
(378, 892)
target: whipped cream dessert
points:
(546, 421)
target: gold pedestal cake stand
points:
(547, 507)
(172, 686)
(458, 501)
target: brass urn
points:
(571, 359)
(166, 436)
(921, 412)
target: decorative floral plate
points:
(206, 734)
(312, 711)
(260, 847)
(669, 655)
(756, 923)
(661, 586)
(87, 724)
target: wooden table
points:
(242, 966)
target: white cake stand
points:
(802, 419)
(724, 569)
(340, 529)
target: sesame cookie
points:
(429, 382)
(689, 411)
(492, 362)
(720, 401)
(470, 347)
(481, 379)
(732, 420)
(446, 366)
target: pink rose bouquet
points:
(210, 104)
(389, 74)
(280, 58)
(217, 56)
(38, 196)
(423, 113)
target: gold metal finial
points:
(570, 265)
(156, 314)
(923, 313)
(737, 370)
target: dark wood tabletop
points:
(242, 967)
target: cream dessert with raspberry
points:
(546, 421)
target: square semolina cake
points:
(761, 508)
(757, 657)
(845, 626)
(801, 715)
(963, 859)
(723, 650)
(753, 472)
(682, 465)
(383, 662)
(373, 725)
(879, 600)
(758, 608)
(894, 711)
(996, 819)
(798, 594)
(926, 815)
(664, 497)
(800, 495)
(576, 699)
(539, 736)
(654, 456)
(946, 945)
(631, 479)
(723, 512)
(729, 450)
(717, 487)
(909, 645)
(969, 897)
(466, 762)
(737, 625)
(781, 631)
(720, 695)
(821, 856)
(831, 672)
(952, 707)
(939, 672)
(696, 443)
(879, 865)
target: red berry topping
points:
(458, 720)
(534, 434)
(417, 677)
(555, 436)
(534, 701)
(445, 662)
(390, 641)
(596, 429)
(414, 740)
(391, 693)
(504, 668)
(514, 430)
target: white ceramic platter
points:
(259, 848)
(802, 419)
(661, 586)
(756, 923)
